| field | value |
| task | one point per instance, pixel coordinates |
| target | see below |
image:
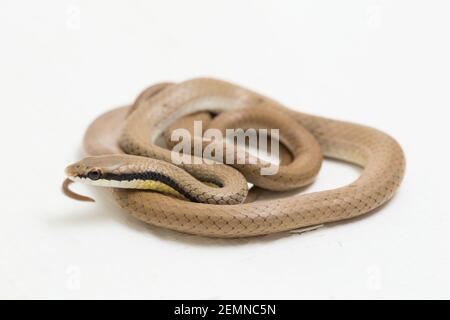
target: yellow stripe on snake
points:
(210, 199)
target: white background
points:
(380, 63)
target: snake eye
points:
(94, 174)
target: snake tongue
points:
(66, 190)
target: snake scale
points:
(209, 199)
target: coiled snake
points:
(208, 199)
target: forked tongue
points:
(69, 193)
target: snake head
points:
(121, 171)
(88, 170)
(109, 170)
(94, 169)
(84, 169)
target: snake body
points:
(126, 137)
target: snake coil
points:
(124, 140)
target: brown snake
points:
(219, 211)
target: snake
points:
(212, 199)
